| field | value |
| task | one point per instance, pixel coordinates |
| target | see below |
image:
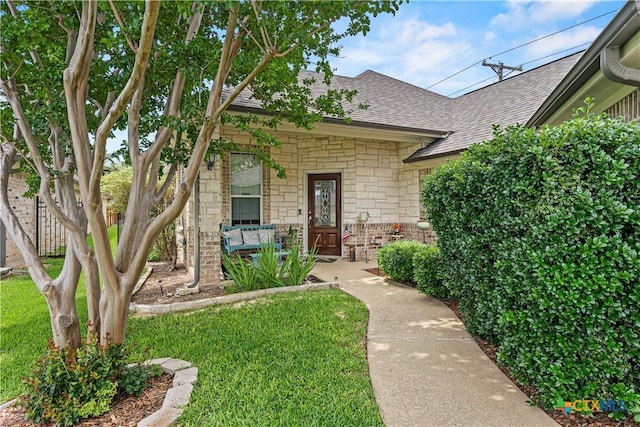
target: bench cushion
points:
(266, 235)
(234, 236)
(250, 237)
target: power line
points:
(469, 87)
(524, 63)
(557, 53)
(522, 45)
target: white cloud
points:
(489, 36)
(526, 14)
(407, 49)
(562, 41)
(552, 10)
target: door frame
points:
(305, 212)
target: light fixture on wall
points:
(211, 162)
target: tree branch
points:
(166, 184)
(263, 32)
(116, 14)
(12, 223)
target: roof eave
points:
(433, 156)
(419, 133)
(622, 27)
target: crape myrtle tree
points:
(72, 73)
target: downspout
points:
(196, 233)
(614, 70)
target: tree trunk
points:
(114, 312)
(62, 313)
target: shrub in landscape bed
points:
(427, 271)
(298, 266)
(268, 273)
(539, 233)
(69, 385)
(395, 259)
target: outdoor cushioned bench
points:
(248, 237)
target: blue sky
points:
(427, 41)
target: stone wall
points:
(374, 180)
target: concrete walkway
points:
(425, 368)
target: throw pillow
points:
(251, 237)
(266, 235)
(234, 236)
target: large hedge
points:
(539, 233)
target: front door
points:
(324, 214)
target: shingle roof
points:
(467, 119)
(514, 100)
(391, 102)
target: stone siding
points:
(374, 180)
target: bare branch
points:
(136, 78)
(116, 14)
(12, 223)
(263, 32)
(38, 163)
(166, 184)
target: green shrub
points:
(395, 259)
(68, 385)
(427, 271)
(539, 233)
(268, 272)
(298, 266)
(242, 272)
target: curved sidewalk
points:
(426, 370)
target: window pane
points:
(246, 175)
(245, 210)
(325, 203)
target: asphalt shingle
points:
(468, 119)
(511, 101)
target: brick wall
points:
(25, 210)
(374, 180)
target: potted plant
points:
(396, 228)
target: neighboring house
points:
(45, 231)
(372, 168)
(25, 209)
(47, 234)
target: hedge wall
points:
(539, 233)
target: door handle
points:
(310, 218)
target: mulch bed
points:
(599, 419)
(126, 412)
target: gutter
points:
(433, 156)
(615, 71)
(196, 233)
(355, 123)
(623, 26)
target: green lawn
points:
(291, 359)
(288, 359)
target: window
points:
(246, 189)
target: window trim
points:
(253, 196)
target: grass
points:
(290, 359)
(287, 359)
(25, 327)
